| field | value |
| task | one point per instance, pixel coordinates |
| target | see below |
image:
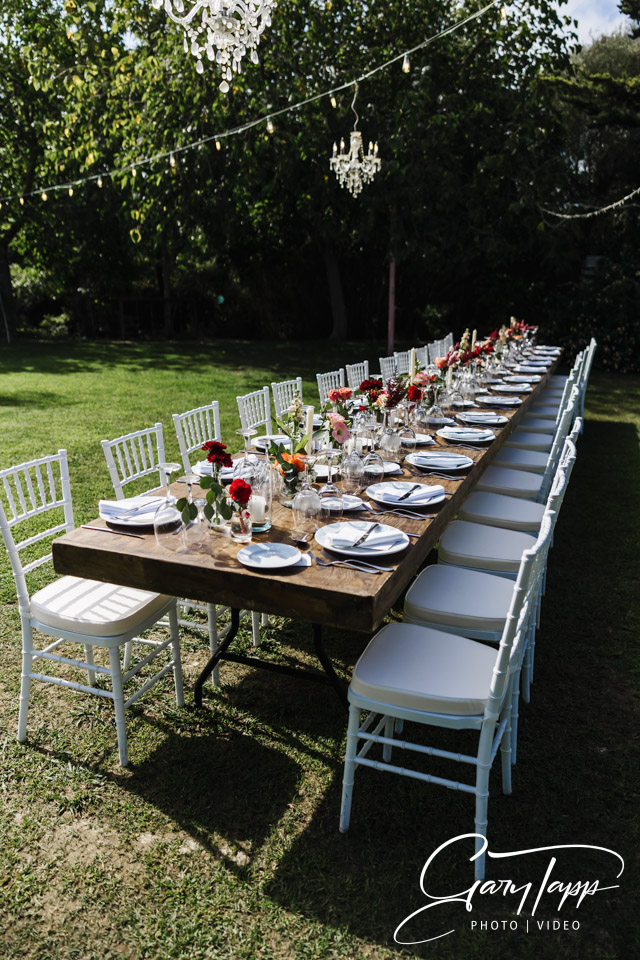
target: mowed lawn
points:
(221, 839)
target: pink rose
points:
(345, 393)
(333, 396)
(335, 418)
(441, 363)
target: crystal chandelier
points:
(224, 33)
(354, 169)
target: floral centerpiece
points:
(221, 504)
(287, 456)
(337, 415)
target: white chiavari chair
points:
(283, 394)
(403, 361)
(387, 368)
(72, 609)
(134, 456)
(435, 678)
(194, 428)
(422, 356)
(357, 373)
(255, 410)
(332, 380)
(447, 343)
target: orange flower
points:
(297, 461)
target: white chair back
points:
(447, 343)
(283, 394)
(255, 410)
(194, 428)
(332, 380)
(560, 435)
(357, 373)
(133, 456)
(422, 356)
(586, 370)
(403, 360)
(28, 490)
(435, 350)
(387, 368)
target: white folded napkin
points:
(424, 493)
(270, 438)
(130, 507)
(438, 461)
(349, 535)
(466, 433)
(480, 417)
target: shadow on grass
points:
(35, 398)
(284, 359)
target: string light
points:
(242, 128)
(334, 102)
(593, 213)
(43, 195)
(22, 201)
(134, 172)
(172, 161)
(218, 145)
(406, 64)
(270, 126)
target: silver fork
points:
(352, 562)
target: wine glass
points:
(246, 433)
(307, 510)
(406, 433)
(195, 533)
(167, 520)
(353, 473)
(330, 494)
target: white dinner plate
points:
(268, 556)
(443, 460)
(482, 417)
(385, 540)
(513, 388)
(463, 405)
(268, 438)
(388, 466)
(205, 469)
(466, 434)
(389, 491)
(500, 401)
(131, 511)
(519, 379)
(423, 439)
(350, 502)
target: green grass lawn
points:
(221, 840)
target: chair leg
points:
(128, 650)
(265, 620)
(255, 628)
(482, 795)
(388, 732)
(118, 703)
(514, 721)
(88, 653)
(212, 623)
(177, 661)
(25, 683)
(349, 767)
(505, 755)
(399, 725)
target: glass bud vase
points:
(241, 525)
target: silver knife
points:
(374, 526)
(414, 486)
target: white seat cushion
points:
(520, 459)
(483, 546)
(544, 411)
(533, 424)
(558, 379)
(453, 597)
(515, 483)
(94, 609)
(498, 510)
(530, 441)
(423, 669)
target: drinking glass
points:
(167, 520)
(353, 473)
(195, 533)
(330, 494)
(306, 510)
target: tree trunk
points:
(167, 312)
(391, 317)
(7, 303)
(338, 309)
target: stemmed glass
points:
(406, 433)
(167, 520)
(246, 433)
(330, 494)
(306, 506)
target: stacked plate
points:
(269, 556)
(466, 434)
(441, 461)
(500, 401)
(359, 538)
(474, 418)
(513, 388)
(131, 511)
(402, 493)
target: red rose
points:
(414, 394)
(240, 491)
(217, 453)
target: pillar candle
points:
(474, 338)
(257, 508)
(449, 377)
(308, 428)
(412, 364)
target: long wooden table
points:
(323, 596)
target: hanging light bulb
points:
(172, 161)
(134, 172)
(43, 196)
(100, 182)
(270, 126)
(406, 64)
(22, 201)
(503, 15)
(334, 102)
(218, 145)
(70, 191)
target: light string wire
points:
(243, 127)
(592, 213)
